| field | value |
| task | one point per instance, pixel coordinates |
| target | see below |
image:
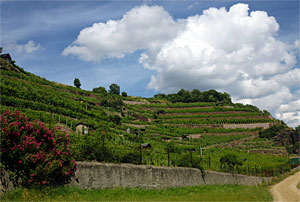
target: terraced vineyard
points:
(210, 131)
(194, 134)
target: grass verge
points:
(195, 193)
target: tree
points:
(114, 89)
(1, 48)
(196, 95)
(77, 83)
(124, 94)
(231, 161)
(100, 90)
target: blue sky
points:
(37, 34)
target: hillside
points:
(180, 132)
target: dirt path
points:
(286, 190)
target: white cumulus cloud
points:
(142, 27)
(227, 50)
(29, 47)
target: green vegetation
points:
(187, 120)
(100, 90)
(284, 136)
(197, 193)
(77, 83)
(34, 154)
(197, 96)
(271, 132)
(231, 161)
(114, 89)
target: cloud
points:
(140, 28)
(228, 50)
(29, 47)
(233, 51)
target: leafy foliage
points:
(101, 90)
(197, 96)
(77, 83)
(231, 161)
(114, 89)
(35, 154)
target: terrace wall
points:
(248, 125)
(92, 175)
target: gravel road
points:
(286, 190)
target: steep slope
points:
(156, 131)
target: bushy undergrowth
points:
(33, 153)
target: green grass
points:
(195, 193)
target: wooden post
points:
(248, 167)
(191, 153)
(209, 161)
(141, 157)
(103, 148)
(168, 157)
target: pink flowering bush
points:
(35, 154)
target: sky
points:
(249, 49)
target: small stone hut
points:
(82, 129)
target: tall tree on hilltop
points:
(114, 89)
(77, 83)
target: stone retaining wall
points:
(247, 125)
(92, 175)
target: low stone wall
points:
(135, 102)
(5, 183)
(247, 125)
(92, 175)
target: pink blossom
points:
(20, 161)
(32, 174)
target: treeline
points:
(197, 96)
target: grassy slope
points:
(197, 193)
